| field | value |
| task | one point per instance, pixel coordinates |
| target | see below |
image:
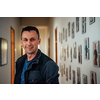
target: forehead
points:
(29, 34)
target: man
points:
(34, 67)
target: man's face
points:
(30, 41)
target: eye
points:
(32, 39)
(25, 39)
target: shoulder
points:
(20, 59)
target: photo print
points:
(69, 29)
(87, 55)
(80, 54)
(78, 76)
(93, 77)
(73, 77)
(83, 25)
(66, 74)
(96, 54)
(70, 54)
(77, 24)
(84, 79)
(73, 33)
(70, 72)
(67, 51)
(66, 34)
(64, 54)
(63, 33)
(64, 69)
(74, 50)
(92, 20)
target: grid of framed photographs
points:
(77, 50)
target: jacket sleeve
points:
(51, 73)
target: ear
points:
(39, 41)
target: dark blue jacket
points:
(42, 70)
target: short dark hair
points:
(29, 28)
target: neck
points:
(31, 56)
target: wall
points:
(37, 21)
(5, 32)
(92, 31)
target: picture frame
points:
(78, 76)
(92, 20)
(69, 29)
(96, 53)
(3, 51)
(74, 50)
(70, 72)
(63, 33)
(80, 54)
(77, 24)
(67, 51)
(93, 77)
(61, 71)
(66, 74)
(64, 54)
(61, 38)
(70, 54)
(86, 47)
(64, 69)
(73, 33)
(85, 79)
(66, 34)
(83, 25)
(74, 81)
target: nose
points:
(29, 42)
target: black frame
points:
(3, 51)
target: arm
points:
(51, 73)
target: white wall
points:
(92, 31)
(5, 32)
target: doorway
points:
(56, 44)
(12, 55)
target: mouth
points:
(29, 48)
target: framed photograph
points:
(63, 33)
(66, 74)
(70, 72)
(64, 69)
(64, 54)
(93, 77)
(77, 24)
(74, 81)
(69, 29)
(96, 53)
(85, 79)
(83, 25)
(74, 50)
(80, 54)
(67, 51)
(61, 71)
(87, 55)
(70, 54)
(92, 20)
(66, 34)
(78, 76)
(73, 33)
(3, 51)
(61, 38)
